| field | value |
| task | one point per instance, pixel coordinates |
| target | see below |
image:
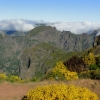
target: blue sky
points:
(51, 10)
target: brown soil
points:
(16, 91)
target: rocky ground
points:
(15, 91)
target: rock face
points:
(97, 40)
(39, 49)
(65, 39)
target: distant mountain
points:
(13, 32)
(38, 51)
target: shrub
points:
(60, 92)
(12, 78)
(33, 79)
(3, 77)
(93, 74)
(93, 67)
(60, 72)
(89, 59)
(98, 61)
(75, 64)
(84, 74)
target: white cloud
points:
(77, 27)
(15, 25)
(74, 27)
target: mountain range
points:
(33, 53)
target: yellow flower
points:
(61, 72)
(60, 92)
(3, 77)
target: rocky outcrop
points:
(97, 40)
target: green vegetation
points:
(1, 36)
(13, 67)
(39, 29)
(9, 78)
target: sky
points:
(51, 10)
(77, 16)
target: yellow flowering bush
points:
(60, 72)
(89, 59)
(3, 77)
(60, 92)
(13, 78)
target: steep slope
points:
(39, 59)
(10, 51)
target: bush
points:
(61, 73)
(89, 59)
(12, 78)
(84, 74)
(93, 74)
(93, 67)
(33, 79)
(98, 61)
(75, 64)
(3, 77)
(60, 92)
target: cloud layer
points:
(77, 27)
(16, 25)
(74, 27)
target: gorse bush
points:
(60, 72)
(10, 78)
(60, 92)
(89, 59)
(13, 78)
(3, 77)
